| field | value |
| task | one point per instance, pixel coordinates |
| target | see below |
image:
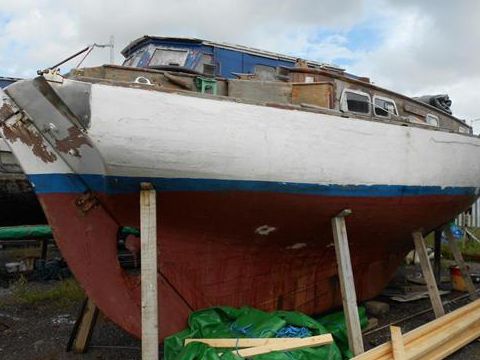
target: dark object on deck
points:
(441, 102)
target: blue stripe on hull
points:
(69, 183)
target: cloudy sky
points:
(414, 47)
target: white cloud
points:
(426, 47)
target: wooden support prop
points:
(347, 285)
(83, 329)
(397, 343)
(148, 240)
(437, 261)
(452, 244)
(469, 233)
(292, 344)
(44, 249)
(428, 274)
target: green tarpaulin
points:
(25, 232)
(37, 232)
(247, 322)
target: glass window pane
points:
(357, 103)
(172, 57)
(432, 120)
(384, 107)
(205, 59)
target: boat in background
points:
(18, 203)
(248, 176)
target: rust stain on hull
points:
(21, 131)
(86, 202)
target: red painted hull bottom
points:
(211, 253)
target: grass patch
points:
(62, 293)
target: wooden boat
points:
(247, 179)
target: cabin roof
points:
(246, 49)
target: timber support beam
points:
(148, 253)
(427, 271)
(347, 285)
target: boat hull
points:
(245, 194)
(212, 250)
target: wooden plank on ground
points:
(420, 347)
(347, 285)
(242, 343)
(84, 327)
(148, 241)
(397, 343)
(452, 244)
(456, 343)
(428, 274)
(293, 344)
(435, 339)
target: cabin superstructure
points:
(208, 57)
(280, 79)
(307, 89)
(5, 81)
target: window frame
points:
(273, 72)
(344, 103)
(463, 130)
(433, 116)
(384, 98)
(187, 51)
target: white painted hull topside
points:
(141, 133)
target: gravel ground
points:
(41, 330)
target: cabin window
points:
(356, 101)
(463, 130)
(265, 72)
(169, 57)
(384, 107)
(309, 79)
(205, 65)
(134, 58)
(432, 120)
